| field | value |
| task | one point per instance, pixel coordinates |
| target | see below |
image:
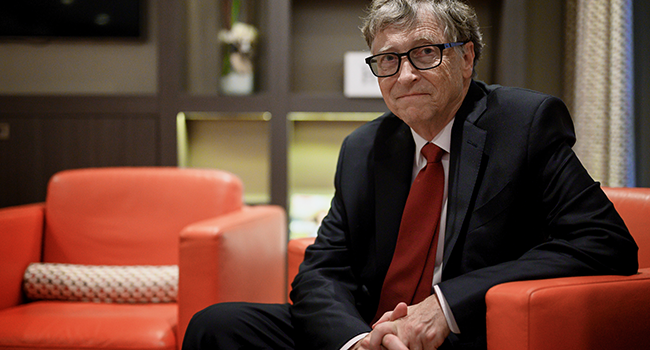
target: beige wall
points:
(81, 66)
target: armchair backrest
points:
(633, 204)
(130, 216)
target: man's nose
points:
(407, 70)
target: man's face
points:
(426, 100)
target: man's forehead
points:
(400, 37)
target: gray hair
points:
(458, 18)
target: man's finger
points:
(385, 317)
(401, 310)
(379, 332)
(392, 342)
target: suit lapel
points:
(394, 148)
(468, 142)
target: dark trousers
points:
(247, 326)
(240, 326)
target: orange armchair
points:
(590, 312)
(225, 251)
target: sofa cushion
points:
(110, 284)
(62, 325)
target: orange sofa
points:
(592, 312)
(118, 217)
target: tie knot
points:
(432, 153)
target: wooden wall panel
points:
(39, 146)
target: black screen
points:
(71, 18)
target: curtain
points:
(600, 91)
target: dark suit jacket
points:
(521, 206)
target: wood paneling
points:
(42, 144)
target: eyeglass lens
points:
(424, 57)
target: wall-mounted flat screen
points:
(72, 18)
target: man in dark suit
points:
(517, 203)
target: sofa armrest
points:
(240, 256)
(21, 236)
(295, 256)
(591, 312)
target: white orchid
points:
(237, 70)
(241, 35)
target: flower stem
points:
(234, 11)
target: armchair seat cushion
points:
(85, 325)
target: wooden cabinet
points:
(299, 90)
(273, 138)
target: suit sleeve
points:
(577, 230)
(324, 310)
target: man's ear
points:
(468, 59)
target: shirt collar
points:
(442, 140)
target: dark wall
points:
(40, 144)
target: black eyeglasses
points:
(422, 57)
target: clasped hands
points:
(417, 327)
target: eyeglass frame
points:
(441, 47)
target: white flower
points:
(240, 35)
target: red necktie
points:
(410, 273)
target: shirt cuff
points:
(353, 341)
(449, 316)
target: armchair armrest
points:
(21, 234)
(590, 312)
(240, 256)
(295, 256)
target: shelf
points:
(224, 116)
(260, 102)
(69, 104)
(204, 52)
(234, 142)
(331, 116)
(334, 102)
(314, 143)
(321, 32)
